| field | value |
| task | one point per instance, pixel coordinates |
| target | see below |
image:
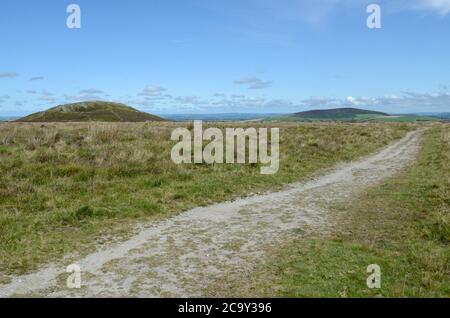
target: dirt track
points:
(180, 256)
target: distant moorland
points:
(115, 112)
(351, 115)
(91, 111)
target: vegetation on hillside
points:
(349, 115)
(336, 113)
(91, 111)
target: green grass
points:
(99, 111)
(403, 225)
(358, 118)
(66, 188)
(395, 119)
(349, 115)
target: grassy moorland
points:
(403, 225)
(351, 115)
(100, 111)
(64, 187)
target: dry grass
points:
(64, 186)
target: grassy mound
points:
(336, 114)
(350, 115)
(91, 111)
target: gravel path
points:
(180, 256)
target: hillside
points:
(91, 111)
(351, 115)
(442, 116)
(337, 114)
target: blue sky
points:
(214, 56)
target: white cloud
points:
(193, 100)
(253, 83)
(152, 91)
(86, 95)
(401, 103)
(319, 102)
(405, 102)
(359, 101)
(440, 6)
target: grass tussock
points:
(63, 186)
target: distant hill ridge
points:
(91, 111)
(336, 114)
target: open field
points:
(65, 187)
(182, 255)
(351, 115)
(396, 118)
(360, 119)
(403, 225)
